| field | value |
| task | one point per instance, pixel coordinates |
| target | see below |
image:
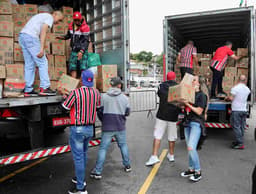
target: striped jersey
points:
(82, 103)
(220, 58)
(186, 56)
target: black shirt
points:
(200, 101)
(166, 111)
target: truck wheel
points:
(36, 134)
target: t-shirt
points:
(200, 101)
(240, 93)
(34, 25)
(222, 53)
(186, 56)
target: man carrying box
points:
(186, 57)
(79, 32)
(32, 41)
(217, 66)
(82, 103)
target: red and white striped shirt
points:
(186, 56)
(220, 58)
(82, 103)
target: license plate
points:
(60, 121)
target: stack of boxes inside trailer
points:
(13, 17)
(232, 71)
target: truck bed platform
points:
(29, 101)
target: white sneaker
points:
(170, 157)
(152, 160)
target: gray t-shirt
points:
(34, 25)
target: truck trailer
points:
(210, 30)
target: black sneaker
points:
(214, 98)
(128, 168)
(95, 176)
(30, 94)
(195, 177)
(74, 180)
(238, 146)
(221, 95)
(187, 173)
(76, 191)
(47, 92)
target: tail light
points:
(8, 113)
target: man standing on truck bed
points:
(185, 58)
(32, 41)
(79, 32)
(217, 66)
(82, 103)
(239, 96)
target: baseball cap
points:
(87, 78)
(171, 75)
(115, 81)
(77, 15)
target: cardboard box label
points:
(15, 71)
(6, 28)
(67, 11)
(59, 28)
(60, 61)
(30, 9)
(67, 83)
(19, 22)
(5, 8)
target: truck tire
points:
(36, 134)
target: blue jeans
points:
(105, 142)
(79, 139)
(192, 136)
(238, 122)
(30, 48)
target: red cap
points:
(77, 15)
(171, 75)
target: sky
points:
(146, 19)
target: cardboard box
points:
(14, 87)
(228, 81)
(6, 50)
(230, 71)
(242, 52)
(17, 30)
(47, 47)
(227, 89)
(52, 73)
(242, 71)
(243, 63)
(231, 62)
(59, 71)
(54, 85)
(60, 61)
(67, 20)
(68, 49)
(67, 11)
(36, 85)
(15, 71)
(67, 84)
(6, 18)
(199, 55)
(50, 60)
(18, 9)
(50, 37)
(103, 84)
(208, 56)
(18, 54)
(183, 91)
(6, 28)
(58, 47)
(205, 63)
(59, 28)
(2, 72)
(19, 22)
(105, 73)
(5, 8)
(30, 9)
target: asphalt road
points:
(225, 171)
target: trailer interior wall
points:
(210, 30)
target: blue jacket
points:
(113, 111)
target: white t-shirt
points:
(240, 93)
(34, 25)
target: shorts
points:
(160, 128)
(75, 65)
